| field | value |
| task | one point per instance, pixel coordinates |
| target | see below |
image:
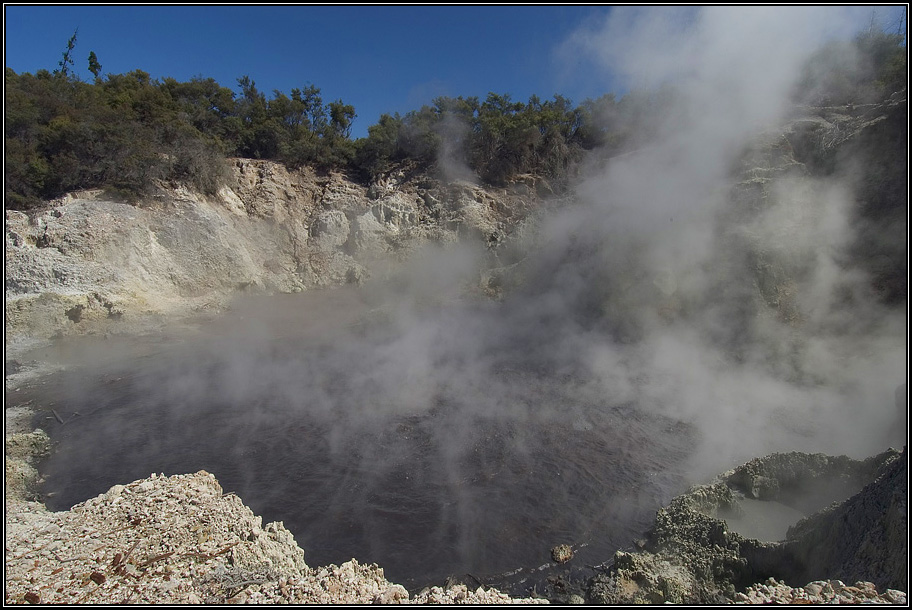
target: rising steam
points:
(658, 320)
(818, 377)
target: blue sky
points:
(377, 58)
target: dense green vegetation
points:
(124, 132)
(121, 132)
(497, 138)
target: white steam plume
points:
(732, 70)
(657, 299)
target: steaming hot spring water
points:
(306, 407)
(431, 445)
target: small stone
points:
(51, 529)
(813, 588)
(392, 595)
(240, 598)
(32, 598)
(562, 553)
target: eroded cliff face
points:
(88, 264)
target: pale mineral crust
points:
(180, 539)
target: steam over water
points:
(480, 485)
(695, 307)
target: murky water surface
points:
(278, 407)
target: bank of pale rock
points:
(180, 539)
(89, 264)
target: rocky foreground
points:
(181, 539)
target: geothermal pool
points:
(439, 471)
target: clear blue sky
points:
(377, 58)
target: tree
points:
(312, 105)
(67, 63)
(253, 103)
(341, 117)
(381, 146)
(94, 66)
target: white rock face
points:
(396, 211)
(368, 233)
(92, 265)
(330, 231)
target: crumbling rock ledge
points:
(691, 555)
(180, 539)
(88, 264)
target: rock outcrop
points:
(692, 554)
(90, 264)
(864, 538)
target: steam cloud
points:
(644, 305)
(734, 69)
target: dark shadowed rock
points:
(864, 538)
(692, 555)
